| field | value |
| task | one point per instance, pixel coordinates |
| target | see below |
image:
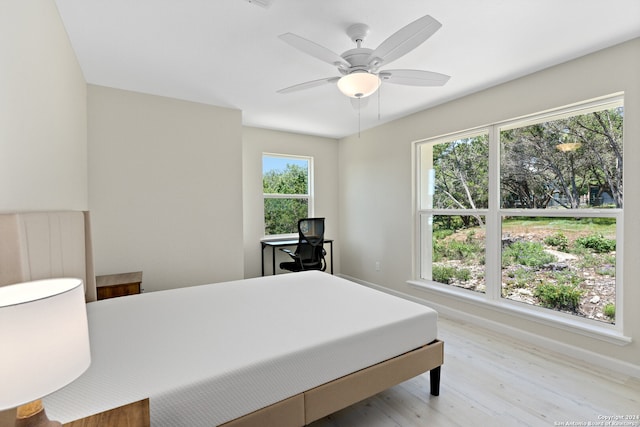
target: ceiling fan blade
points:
(309, 85)
(405, 40)
(314, 49)
(413, 77)
(359, 103)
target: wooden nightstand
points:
(135, 414)
(118, 285)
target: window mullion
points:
(493, 234)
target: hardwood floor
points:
(491, 380)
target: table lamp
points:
(44, 341)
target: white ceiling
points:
(227, 53)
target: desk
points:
(278, 243)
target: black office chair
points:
(309, 254)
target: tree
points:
(559, 161)
(293, 180)
(461, 175)
(281, 213)
(601, 136)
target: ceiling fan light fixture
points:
(359, 84)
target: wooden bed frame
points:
(305, 408)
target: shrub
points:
(610, 310)
(445, 274)
(586, 258)
(471, 236)
(441, 233)
(442, 273)
(460, 250)
(561, 297)
(557, 240)
(454, 249)
(567, 277)
(606, 271)
(531, 254)
(597, 242)
(438, 251)
(463, 274)
(522, 277)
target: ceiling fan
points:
(360, 67)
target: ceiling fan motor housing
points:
(358, 58)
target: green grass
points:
(603, 226)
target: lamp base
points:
(33, 415)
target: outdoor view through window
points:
(548, 237)
(286, 191)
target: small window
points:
(287, 192)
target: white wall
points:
(165, 185)
(43, 135)
(376, 183)
(325, 159)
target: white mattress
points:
(208, 354)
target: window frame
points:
(426, 244)
(309, 196)
(492, 297)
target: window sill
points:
(586, 327)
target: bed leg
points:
(434, 376)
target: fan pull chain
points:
(359, 113)
(379, 102)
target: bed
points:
(281, 350)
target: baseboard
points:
(571, 352)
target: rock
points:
(561, 256)
(508, 240)
(595, 299)
(556, 266)
(524, 291)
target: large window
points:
(287, 190)
(527, 212)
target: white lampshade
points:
(359, 84)
(44, 338)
